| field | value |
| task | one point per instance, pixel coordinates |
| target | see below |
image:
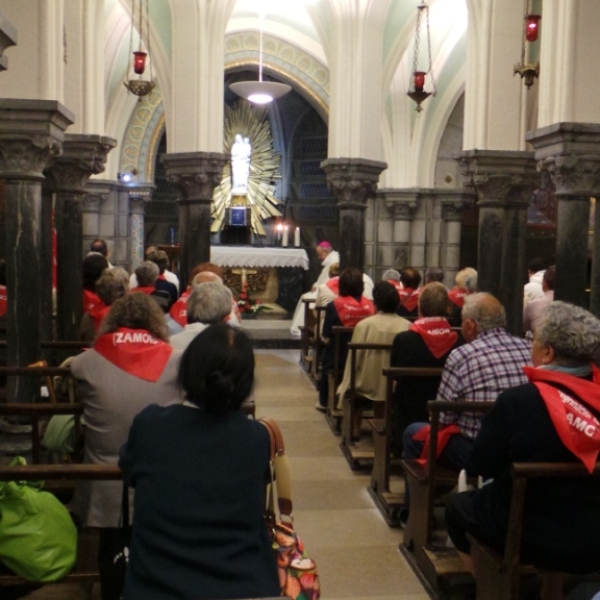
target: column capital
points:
(195, 173)
(96, 192)
(139, 195)
(82, 157)
(352, 180)
(401, 203)
(8, 38)
(31, 133)
(570, 152)
(499, 176)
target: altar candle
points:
(284, 243)
(279, 228)
(297, 237)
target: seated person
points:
(163, 299)
(111, 285)
(552, 418)
(410, 278)
(427, 343)
(465, 283)
(146, 274)
(161, 260)
(348, 309)
(208, 304)
(93, 266)
(392, 276)
(381, 328)
(169, 275)
(203, 535)
(532, 313)
(434, 274)
(330, 290)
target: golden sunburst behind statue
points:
(251, 173)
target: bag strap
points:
(282, 467)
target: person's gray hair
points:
(112, 285)
(466, 279)
(486, 310)
(571, 331)
(209, 303)
(146, 273)
(390, 274)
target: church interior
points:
(422, 133)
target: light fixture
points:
(140, 87)
(127, 177)
(416, 85)
(531, 30)
(260, 92)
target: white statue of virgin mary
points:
(241, 150)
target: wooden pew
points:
(44, 373)
(498, 576)
(306, 332)
(333, 415)
(388, 503)
(433, 562)
(354, 455)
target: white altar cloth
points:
(253, 257)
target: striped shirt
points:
(481, 370)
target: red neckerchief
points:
(178, 311)
(147, 289)
(98, 313)
(352, 312)
(91, 301)
(443, 437)
(436, 333)
(162, 277)
(398, 287)
(457, 296)
(334, 285)
(409, 298)
(135, 351)
(575, 425)
(3, 299)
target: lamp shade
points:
(532, 27)
(419, 80)
(139, 61)
(259, 92)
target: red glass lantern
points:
(139, 62)
(419, 80)
(532, 27)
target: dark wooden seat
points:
(498, 576)
(355, 455)
(388, 503)
(45, 375)
(333, 414)
(433, 562)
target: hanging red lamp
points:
(419, 80)
(139, 62)
(532, 27)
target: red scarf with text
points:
(147, 289)
(334, 285)
(352, 312)
(409, 298)
(457, 296)
(3, 299)
(91, 301)
(436, 333)
(135, 351)
(98, 313)
(577, 428)
(178, 311)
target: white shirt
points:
(180, 341)
(169, 276)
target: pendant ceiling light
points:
(140, 87)
(531, 31)
(260, 92)
(416, 85)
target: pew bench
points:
(340, 339)
(499, 576)
(389, 503)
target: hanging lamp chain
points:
(524, 38)
(430, 68)
(148, 41)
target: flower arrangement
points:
(248, 306)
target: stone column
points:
(504, 181)
(138, 196)
(83, 156)
(8, 38)
(570, 152)
(31, 133)
(352, 181)
(97, 192)
(196, 174)
(402, 205)
(453, 204)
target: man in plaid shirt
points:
(491, 362)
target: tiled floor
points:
(356, 553)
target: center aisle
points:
(356, 552)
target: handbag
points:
(113, 558)
(298, 577)
(38, 539)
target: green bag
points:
(38, 539)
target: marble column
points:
(97, 193)
(453, 204)
(401, 205)
(504, 181)
(570, 152)
(31, 134)
(8, 38)
(83, 156)
(352, 181)
(196, 174)
(138, 197)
